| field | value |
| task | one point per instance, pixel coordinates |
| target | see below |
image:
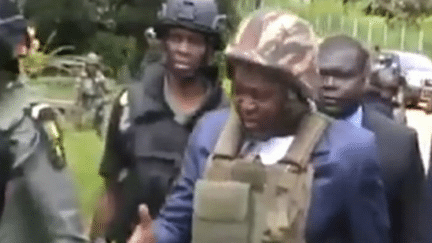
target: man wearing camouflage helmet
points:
(153, 118)
(249, 173)
(40, 204)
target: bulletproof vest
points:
(157, 141)
(154, 144)
(240, 200)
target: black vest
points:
(155, 144)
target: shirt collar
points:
(270, 151)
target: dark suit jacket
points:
(374, 101)
(426, 207)
(403, 172)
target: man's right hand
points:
(143, 231)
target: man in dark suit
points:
(344, 65)
(426, 207)
(380, 91)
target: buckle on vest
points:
(251, 172)
(293, 167)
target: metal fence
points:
(372, 31)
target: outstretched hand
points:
(143, 231)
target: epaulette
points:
(46, 117)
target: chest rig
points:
(240, 200)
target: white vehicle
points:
(416, 71)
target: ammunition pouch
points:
(222, 210)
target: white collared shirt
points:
(271, 150)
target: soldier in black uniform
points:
(40, 201)
(152, 120)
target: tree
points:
(409, 11)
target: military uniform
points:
(149, 129)
(41, 203)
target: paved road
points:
(423, 124)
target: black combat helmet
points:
(12, 28)
(198, 15)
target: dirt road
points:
(422, 122)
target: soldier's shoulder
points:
(41, 112)
(25, 138)
(45, 123)
(212, 123)
(119, 104)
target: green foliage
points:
(116, 50)
(36, 62)
(132, 20)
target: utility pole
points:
(421, 38)
(355, 29)
(385, 34)
(403, 31)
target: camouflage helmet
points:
(279, 40)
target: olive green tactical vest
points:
(240, 200)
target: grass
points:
(83, 151)
(55, 87)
